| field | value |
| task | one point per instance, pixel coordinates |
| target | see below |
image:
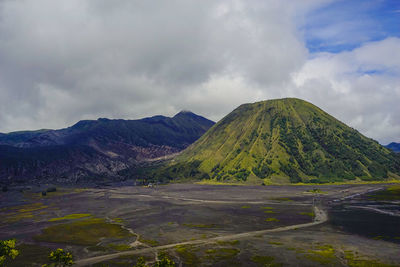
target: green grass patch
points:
(214, 182)
(226, 243)
(310, 214)
(276, 243)
(188, 256)
(85, 232)
(71, 217)
(323, 254)
(18, 217)
(119, 247)
(204, 236)
(271, 220)
(192, 225)
(245, 207)
(267, 208)
(149, 242)
(281, 199)
(28, 211)
(269, 211)
(222, 254)
(118, 220)
(32, 207)
(357, 261)
(265, 261)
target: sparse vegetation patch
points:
(86, 232)
(71, 217)
(265, 261)
(220, 254)
(199, 225)
(323, 254)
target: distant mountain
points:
(96, 148)
(394, 146)
(283, 140)
(20, 137)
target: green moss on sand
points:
(199, 225)
(149, 242)
(188, 255)
(119, 247)
(222, 254)
(310, 214)
(357, 261)
(85, 232)
(226, 243)
(71, 217)
(265, 261)
(322, 254)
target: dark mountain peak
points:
(103, 119)
(83, 124)
(153, 119)
(185, 113)
(394, 146)
(190, 116)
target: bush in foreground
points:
(7, 250)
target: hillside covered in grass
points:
(283, 140)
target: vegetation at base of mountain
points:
(282, 141)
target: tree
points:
(141, 263)
(59, 257)
(7, 250)
(164, 261)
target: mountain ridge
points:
(91, 148)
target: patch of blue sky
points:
(372, 72)
(344, 25)
(376, 71)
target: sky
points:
(64, 61)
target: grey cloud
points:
(62, 61)
(360, 87)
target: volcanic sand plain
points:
(196, 225)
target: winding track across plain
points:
(320, 217)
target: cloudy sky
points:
(63, 61)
